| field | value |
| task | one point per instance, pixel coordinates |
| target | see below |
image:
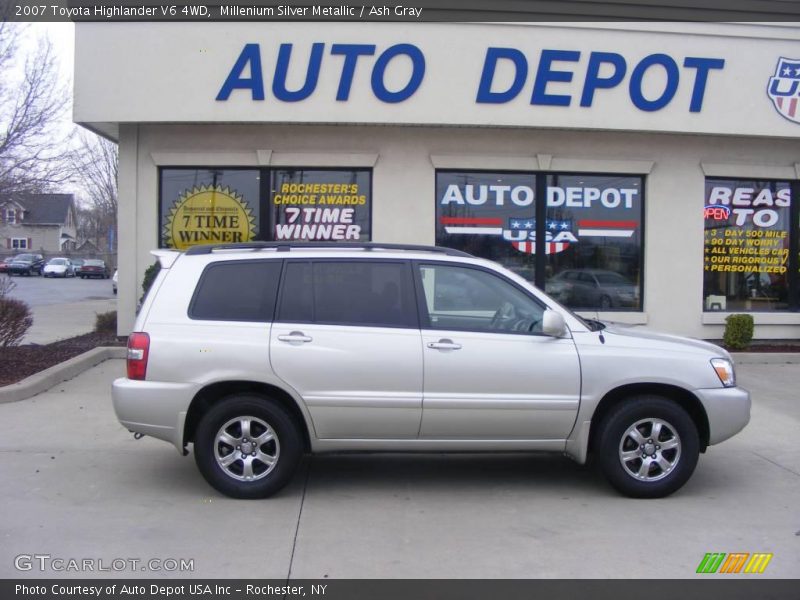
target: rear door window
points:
(237, 291)
(356, 292)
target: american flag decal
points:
(549, 247)
(473, 225)
(622, 229)
(784, 88)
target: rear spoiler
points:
(166, 258)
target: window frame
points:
(266, 179)
(267, 201)
(422, 305)
(21, 243)
(793, 229)
(408, 276)
(13, 220)
(540, 181)
(192, 303)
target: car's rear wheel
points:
(247, 446)
(648, 447)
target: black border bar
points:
(731, 587)
(779, 11)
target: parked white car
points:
(58, 267)
(255, 353)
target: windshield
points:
(58, 261)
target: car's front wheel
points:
(247, 446)
(648, 447)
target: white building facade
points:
(643, 173)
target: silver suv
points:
(256, 353)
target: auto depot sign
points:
(532, 75)
(552, 67)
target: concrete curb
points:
(766, 358)
(44, 380)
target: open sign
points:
(716, 212)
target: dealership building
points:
(645, 173)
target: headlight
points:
(724, 370)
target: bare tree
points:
(95, 164)
(32, 100)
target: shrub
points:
(738, 331)
(106, 322)
(15, 320)
(149, 278)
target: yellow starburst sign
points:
(208, 215)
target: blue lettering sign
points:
(379, 70)
(546, 74)
(595, 82)
(604, 71)
(703, 66)
(635, 86)
(351, 52)
(250, 56)
(282, 68)
(485, 93)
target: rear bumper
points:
(153, 408)
(728, 411)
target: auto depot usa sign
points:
(531, 75)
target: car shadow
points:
(450, 473)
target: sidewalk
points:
(54, 322)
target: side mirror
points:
(553, 323)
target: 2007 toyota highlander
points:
(255, 353)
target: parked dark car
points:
(94, 268)
(26, 264)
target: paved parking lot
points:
(76, 485)
(62, 308)
(43, 291)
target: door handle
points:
(444, 344)
(297, 337)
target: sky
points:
(62, 37)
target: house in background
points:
(44, 223)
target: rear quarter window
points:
(237, 291)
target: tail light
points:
(138, 351)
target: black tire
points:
(616, 435)
(605, 302)
(288, 447)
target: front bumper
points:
(153, 408)
(728, 411)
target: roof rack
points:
(289, 246)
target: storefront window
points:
(747, 233)
(216, 206)
(209, 206)
(320, 205)
(491, 215)
(594, 241)
(591, 225)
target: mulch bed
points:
(19, 362)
